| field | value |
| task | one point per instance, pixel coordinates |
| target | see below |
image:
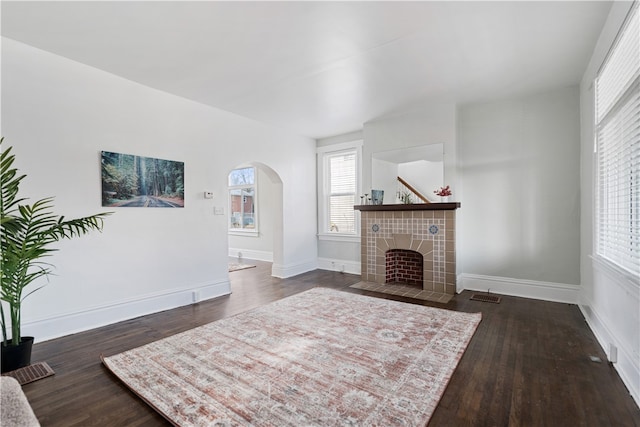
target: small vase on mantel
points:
(444, 199)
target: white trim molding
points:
(612, 311)
(339, 238)
(251, 254)
(343, 266)
(97, 316)
(284, 271)
(624, 361)
(548, 291)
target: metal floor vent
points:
(486, 298)
(31, 373)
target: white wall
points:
(59, 115)
(609, 301)
(519, 169)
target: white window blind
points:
(618, 150)
(342, 179)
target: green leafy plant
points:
(26, 233)
(405, 197)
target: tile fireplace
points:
(411, 245)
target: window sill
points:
(351, 238)
(620, 275)
(252, 233)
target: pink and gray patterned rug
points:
(319, 358)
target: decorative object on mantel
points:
(377, 196)
(444, 193)
(405, 197)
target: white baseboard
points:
(251, 254)
(626, 364)
(97, 316)
(548, 291)
(351, 267)
(290, 270)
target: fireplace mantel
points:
(410, 207)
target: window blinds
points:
(342, 192)
(618, 148)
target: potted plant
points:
(26, 233)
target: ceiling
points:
(321, 68)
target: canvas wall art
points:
(136, 181)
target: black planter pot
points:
(16, 356)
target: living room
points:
(520, 161)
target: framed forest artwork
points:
(136, 181)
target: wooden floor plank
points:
(527, 365)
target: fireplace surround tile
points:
(426, 229)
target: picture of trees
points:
(135, 181)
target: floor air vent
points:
(31, 373)
(486, 298)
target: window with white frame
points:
(339, 170)
(617, 89)
(243, 200)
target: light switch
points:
(208, 195)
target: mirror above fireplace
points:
(421, 166)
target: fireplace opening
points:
(403, 266)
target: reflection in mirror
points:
(421, 167)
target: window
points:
(618, 150)
(243, 200)
(339, 168)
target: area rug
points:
(404, 291)
(235, 267)
(320, 358)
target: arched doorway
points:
(259, 235)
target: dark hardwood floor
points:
(527, 365)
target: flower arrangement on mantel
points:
(443, 191)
